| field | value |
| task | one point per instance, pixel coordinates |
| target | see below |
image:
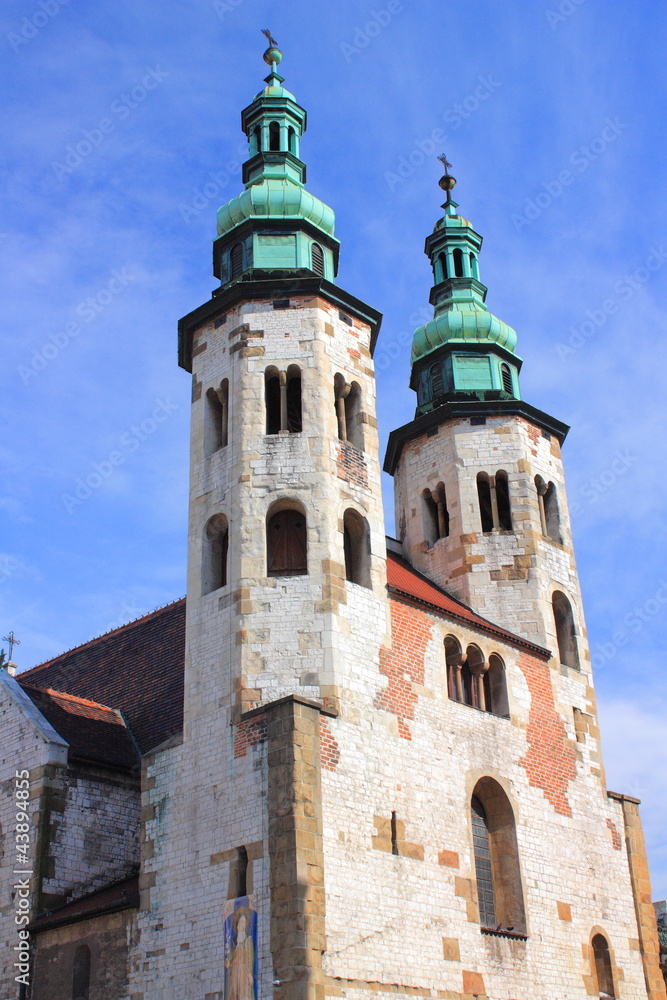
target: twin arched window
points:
(349, 415)
(566, 634)
(216, 418)
(494, 501)
(499, 889)
(435, 515)
(547, 499)
(282, 398)
(473, 681)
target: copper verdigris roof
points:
(94, 732)
(137, 668)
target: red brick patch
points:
(404, 663)
(248, 734)
(550, 762)
(615, 835)
(329, 750)
(351, 465)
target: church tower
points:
(481, 507)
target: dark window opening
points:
(286, 544)
(238, 875)
(565, 631)
(317, 259)
(258, 139)
(281, 303)
(603, 970)
(495, 688)
(81, 973)
(236, 259)
(430, 513)
(443, 265)
(551, 515)
(357, 548)
(216, 418)
(293, 400)
(272, 402)
(506, 376)
(484, 494)
(274, 137)
(503, 499)
(394, 834)
(467, 684)
(483, 869)
(214, 563)
(458, 262)
(437, 381)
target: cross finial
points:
(13, 641)
(269, 37)
(446, 182)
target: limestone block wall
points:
(27, 743)
(109, 938)
(508, 577)
(95, 833)
(408, 922)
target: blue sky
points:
(552, 114)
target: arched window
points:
(214, 562)
(274, 137)
(291, 141)
(437, 380)
(348, 411)
(506, 375)
(603, 969)
(430, 518)
(503, 500)
(286, 542)
(551, 514)
(293, 399)
(474, 266)
(317, 259)
(357, 546)
(81, 973)
(443, 264)
(484, 494)
(216, 418)
(495, 687)
(458, 262)
(255, 140)
(565, 630)
(454, 659)
(497, 866)
(482, 846)
(272, 400)
(236, 259)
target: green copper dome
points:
(276, 199)
(462, 323)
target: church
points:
(345, 765)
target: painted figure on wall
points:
(240, 922)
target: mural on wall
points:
(240, 926)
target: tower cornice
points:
(468, 408)
(275, 286)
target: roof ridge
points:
(75, 697)
(104, 635)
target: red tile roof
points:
(403, 579)
(120, 896)
(94, 732)
(137, 668)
